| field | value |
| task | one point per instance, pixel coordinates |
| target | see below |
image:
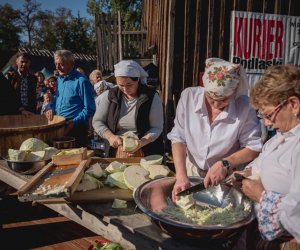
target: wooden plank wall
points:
(186, 32)
(107, 33)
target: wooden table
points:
(129, 227)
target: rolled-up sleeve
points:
(177, 134)
(100, 117)
(250, 132)
(156, 118)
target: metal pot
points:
(26, 167)
(151, 197)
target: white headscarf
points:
(222, 79)
(131, 68)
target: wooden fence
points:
(186, 32)
(114, 44)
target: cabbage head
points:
(33, 144)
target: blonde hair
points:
(276, 85)
(94, 73)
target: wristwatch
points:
(225, 163)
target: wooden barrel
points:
(14, 129)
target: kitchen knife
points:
(194, 189)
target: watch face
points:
(225, 163)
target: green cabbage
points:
(33, 144)
(116, 179)
(16, 155)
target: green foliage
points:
(130, 10)
(62, 30)
(9, 33)
(28, 17)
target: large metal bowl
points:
(152, 197)
(26, 167)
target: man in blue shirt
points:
(74, 98)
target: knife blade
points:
(193, 189)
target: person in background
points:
(73, 98)
(81, 70)
(46, 103)
(100, 85)
(52, 85)
(24, 84)
(131, 106)
(8, 99)
(95, 76)
(40, 87)
(275, 173)
(215, 128)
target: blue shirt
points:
(74, 97)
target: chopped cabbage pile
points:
(207, 215)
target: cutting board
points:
(104, 194)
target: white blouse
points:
(236, 127)
(279, 168)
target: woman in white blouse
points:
(276, 189)
(215, 128)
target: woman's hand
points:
(115, 141)
(139, 143)
(181, 184)
(253, 189)
(215, 174)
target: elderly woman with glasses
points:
(275, 182)
(130, 107)
(215, 128)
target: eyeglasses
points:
(274, 112)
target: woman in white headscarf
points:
(215, 129)
(130, 107)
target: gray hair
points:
(65, 55)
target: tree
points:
(80, 39)
(44, 36)
(131, 10)
(9, 33)
(28, 17)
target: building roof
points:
(41, 59)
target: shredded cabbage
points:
(206, 215)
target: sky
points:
(52, 5)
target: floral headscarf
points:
(223, 79)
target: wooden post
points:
(97, 40)
(169, 64)
(120, 37)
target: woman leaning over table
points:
(215, 127)
(276, 189)
(131, 106)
